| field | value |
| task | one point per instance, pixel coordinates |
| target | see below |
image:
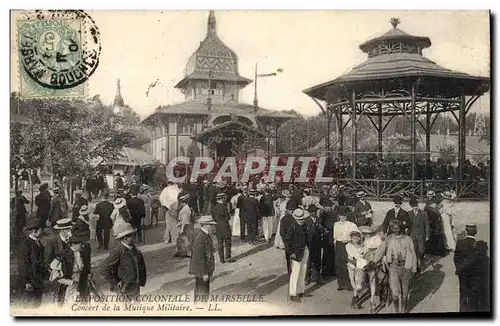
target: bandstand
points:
(397, 80)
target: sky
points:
(311, 47)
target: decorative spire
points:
(118, 97)
(211, 23)
(395, 22)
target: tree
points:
(448, 153)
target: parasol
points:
(169, 195)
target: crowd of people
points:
(323, 234)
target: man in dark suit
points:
(17, 205)
(296, 243)
(419, 230)
(285, 223)
(79, 202)
(31, 270)
(202, 265)
(243, 219)
(56, 246)
(251, 209)
(315, 238)
(125, 268)
(42, 201)
(104, 223)
(221, 216)
(465, 256)
(397, 213)
(137, 211)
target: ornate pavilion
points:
(397, 80)
(212, 121)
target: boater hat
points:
(84, 210)
(183, 196)
(206, 219)
(220, 195)
(123, 229)
(366, 229)
(430, 194)
(360, 194)
(119, 203)
(63, 224)
(286, 193)
(300, 214)
(355, 232)
(471, 227)
(450, 195)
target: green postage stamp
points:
(58, 51)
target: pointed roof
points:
(118, 102)
(214, 57)
(398, 55)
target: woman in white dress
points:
(278, 241)
(236, 217)
(446, 211)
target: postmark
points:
(58, 52)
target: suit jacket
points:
(137, 210)
(221, 216)
(42, 201)
(419, 225)
(314, 234)
(56, 210)
(78, 204)
(202, 257)
(465, 256)
(402, 216)
(296, 240)
(359, 208)
(120, 266)
(31, 268)
(68, 260)
(251, 208)
(53, 249)
(285, 224)
(104, 210)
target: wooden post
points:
(328, 114)
(461, 137)
(380, 131)
(340, 132)
(413, 132)
(428, 128)
(354, 140)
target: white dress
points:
(236, 217)
(447, 218)
(278, 241)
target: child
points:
(155, 209)
(355, 265)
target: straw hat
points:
(63, 224)
(286, 193)
(360, 194)
(450, 195)
(207, 219)
(123, 229)
(365, 229)
(300, 214)
(119, 203)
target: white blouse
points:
(342, 230)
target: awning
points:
(131, 157)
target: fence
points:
(386, 189)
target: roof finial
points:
(395, 22)
(211, 23)
(118, 97)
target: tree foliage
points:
(64, 135)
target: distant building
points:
(211, 121)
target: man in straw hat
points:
(397, 213)
(419, 230)
(296, 244)
(56, 208)
(202, 265)
(464, 259)
(32, 272)
(79, 202)
(362, 210)
(402, 262)
(125, 268)
(221, 216)
(56, 246)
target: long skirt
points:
(436, 244)
(278, 241)
(344, 282)
(448, 232)
(236, 223)
(185, 241)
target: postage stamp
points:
(58, 52)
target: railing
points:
(386, 189)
